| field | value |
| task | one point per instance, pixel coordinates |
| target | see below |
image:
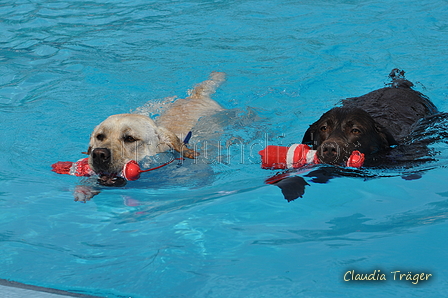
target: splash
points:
(155, 107)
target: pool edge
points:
(24, 288)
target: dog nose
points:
(330, 149)
(329, 152)
(101, 155)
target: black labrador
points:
(372, 124)
(377, 124)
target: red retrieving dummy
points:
(131, 170)
(298, 155)
(79, 168)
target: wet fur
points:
(372, 123)
(134, 137)
(397, 124)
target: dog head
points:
(124, 137)
(341, 130)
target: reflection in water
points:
(357, 227)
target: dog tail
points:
(208, 87)
(399, 80)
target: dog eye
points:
(100, 137)
(355, 131)
(129, 139)
(323, 128)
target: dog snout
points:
(330, 152)
(330, 149)
(101, 156)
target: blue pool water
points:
(67, 65)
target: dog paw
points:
(189, 153)
(84, 193)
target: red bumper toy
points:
(298, 155)
(131, 170)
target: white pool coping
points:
(10, 289)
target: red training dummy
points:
(298, 155)
(131, 170)
(79, 168)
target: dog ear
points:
(385, 135)
(311, 136)
(172, 141)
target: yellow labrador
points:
(124, 137)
